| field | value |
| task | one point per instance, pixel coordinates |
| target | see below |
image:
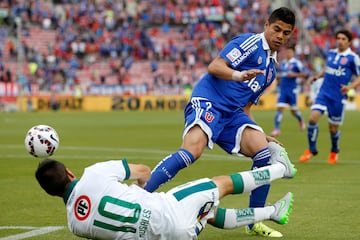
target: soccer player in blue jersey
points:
(290, 70)
(341, 64)
(219, 108)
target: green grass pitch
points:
(326, 197)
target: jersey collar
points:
(266, 47)
(344, 53)
(69, 190)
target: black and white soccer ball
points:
(42, 141)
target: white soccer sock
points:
(264, 175)
(244, 216)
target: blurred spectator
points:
(132, 31)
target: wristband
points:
(237, 75)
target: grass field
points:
(326, 197)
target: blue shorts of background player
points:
(287, 99)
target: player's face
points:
(277, 34)
(342, 42)
(290, 53)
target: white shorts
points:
(194, 203)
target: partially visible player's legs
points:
(245, 182)
(168, 168)
(277, 121)
(335, 137)
(312, 135)
(297, 114)
(192, 147)
(227, 218)
(253, 143)
(259, 195)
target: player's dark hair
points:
(292, 47)
(52, 177)
(346, 32)
(283, 14)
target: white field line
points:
(152, 154)
(35, 231)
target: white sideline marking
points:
(150, 153)
(36, 231)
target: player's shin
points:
(313, 132)
(168, 168)
(335, 141)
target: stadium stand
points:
(157, 43)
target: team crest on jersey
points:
(209, 117)
(82, 207)
(233, 54)
(343, 60)
(260, 60)
(269, 75)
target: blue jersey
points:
(289, 84)
(244, 52)
(340, 67)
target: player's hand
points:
(250, 74)
(246, 74)
(344, 89)
(140, 183)
(272, 139)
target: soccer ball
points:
(41, 141)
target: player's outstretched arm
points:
(140, 172)
(352, 85)
(220, 68)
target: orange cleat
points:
(333, 156)
(306, 156)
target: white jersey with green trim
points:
(99, 206)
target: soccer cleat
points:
(275, 132)
(302, 125)
(333, 156)
(279, 155)
(261, 229)
(307, 155)
(283, 208)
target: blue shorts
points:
(223, 128)
(335, 108)
(286, 98)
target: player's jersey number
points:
(134, 208)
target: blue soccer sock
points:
(313, 133)
(278, 118)
(335, 141)
(259, 195)
(168, 168)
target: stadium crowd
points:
(121, 34)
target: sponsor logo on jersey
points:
(233, 54)
(82, 207)
(338, 72)
(243, 56)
